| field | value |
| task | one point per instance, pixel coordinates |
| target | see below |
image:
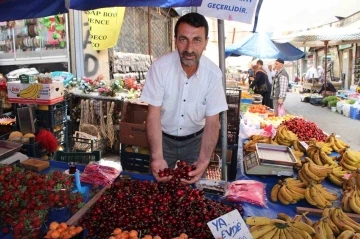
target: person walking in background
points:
(311, 74)
(261, 84)
(272, 73)
(321, 74)
(251, 74)
(280, 85)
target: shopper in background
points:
(185, 95)
(272, 73)
(330, 89)
(279, 85)
(312, 74)
(321, 74)
(251, 74)
(261, 84)
(296, 78)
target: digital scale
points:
(269, 159)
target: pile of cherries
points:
(180, 172)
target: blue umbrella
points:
(261, 46)
(93, 4)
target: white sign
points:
(230, 225)
(232, 10)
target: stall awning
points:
(25, 9)
(261, 46)
(92, 4)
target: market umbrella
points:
(261, 46)
(89, 5)
(325, 36)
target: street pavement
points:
(330, 122)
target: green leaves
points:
(56, 35)
(59, 27)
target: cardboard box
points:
(35, 93)
(133, 124)
(36, 165)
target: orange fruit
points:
(183, 236)
(72, 232)
(117, 231)
(63, 225)
(112, 237)
(157, 237)
(147, 237)
(78, 229)
(55, 235)
(133, 233)
(53, 225)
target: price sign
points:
(230, 225)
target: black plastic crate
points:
(77, 157)
(134, 161)
(315, 101)
(56, 115)
(233, 96)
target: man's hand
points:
(280, 101)
(198, 172)
(156, 166)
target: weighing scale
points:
(269, 159)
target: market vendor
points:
(330, 89)
(185, 95)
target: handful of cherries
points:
(181, 172)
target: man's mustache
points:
(185, 53)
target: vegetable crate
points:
(55, 115)
(78, 157)
(134, 161)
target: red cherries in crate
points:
(181, 172)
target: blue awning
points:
(94, 4)
(24, 9)
(261, 46)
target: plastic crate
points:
(233, 96)
(247, 101)
(315, 101)
(77, 157)
(134, 161)
(67, 76)
(56, 115)
(78, 144)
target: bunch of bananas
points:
(336, 144)
(284, 136)
(31, 92)
(318, 153)
(348, 234)
(337, 175)
(313, 173)
(350, 160)
(297, 218)
(339, 221)
(323, 228)
(263, 227)
(351, 200)
(353, 181)
(298, 146)
(288, 191)
(253, 140)
(318, 196)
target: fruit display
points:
(97, 174)
(62, 231)
(263, 227)
(253, 140)
(298, 155)
(154, 208)
(337, 175)
(180, 172)
(288, 191)
(336, 144)
(318, 153)
(118, 233)
(348, 234)
(323, 228)
(313, 173)
(246, 95)
(26, 197)
(305, 130)
(351, 200)
(350, 160)
(318, 196)
(284, 136)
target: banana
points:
(303, 234)
(308, 197)
(327, 229)
(339, 172)
(283, 200)
(294, 195)
(355, 156)
(327, 195)
(348, 221)
(277, 234)
(319, 232)
(356, 236)
(320, 171)
(310, 175)
(320, 201)
(288, 234)
(333, 227)
(352, 201)
(304, 227)
(335, 180)
(294, 233)
(282, 234)
(298, 218)
(347, 166)
(27, 90)
(346, 235)
(326, 159)
(340, 144)
(297, 189)
(316, 158)
(320, 194)
(269, 234)
(302, 177)
(345, 202)
(284, 216)
(295, 182)
(262, 230)
(307, 220)
(285, 193)
(257, 221)
(274, 192)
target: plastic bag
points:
(249, 191)
(97, 174)
(281, 110)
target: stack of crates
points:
(233, 98)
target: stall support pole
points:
(221, 39)
(79, 52)
(326, 52)
(149, 31)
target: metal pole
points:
(221, 39)
(149, 30)
(326, 51)
(79, 44)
